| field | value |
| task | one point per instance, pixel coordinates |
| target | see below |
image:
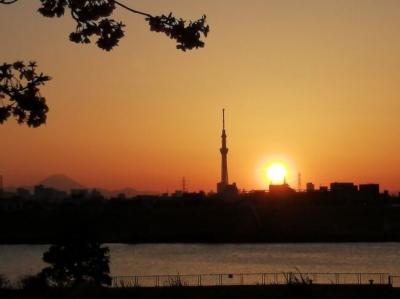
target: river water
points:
(156, 259)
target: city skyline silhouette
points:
(302, 84)
(199, 149)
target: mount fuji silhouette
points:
(61, 182)
(64, 183)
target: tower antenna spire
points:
(223, 119)
(223, 186)
(224, 159)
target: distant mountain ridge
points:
(61, 182)
(65, 183)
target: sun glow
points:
(276, 173)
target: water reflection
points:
(148, 259)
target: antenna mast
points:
(223, 119)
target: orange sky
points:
(313, 82)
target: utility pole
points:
(183, 185)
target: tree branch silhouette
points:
(133, 10)
(19, 94)
(92, 18)
(7, 1)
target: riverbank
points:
(249, 292)
(202, 221)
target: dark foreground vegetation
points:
(298, 217)
(278, 292)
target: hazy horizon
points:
(311, 83)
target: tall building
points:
(223, 186)
(343, 188)
(369, 190)
(310, 187)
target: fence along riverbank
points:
(248, 279)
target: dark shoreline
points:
(215, 243)
(220, 292)
(203, 221)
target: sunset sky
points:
(314, 84)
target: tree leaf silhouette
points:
(76, 262)
(20, 96)
(19, 82)
(93, 20)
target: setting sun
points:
(276, 173)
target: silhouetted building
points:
(80, 193)
(44, 193)
(343, 188)
(177, 193)
(23, 193)
(121, 196)
(369, 190)
(1, 187)
(96, 194)
(230, 190)
(323, 189)
(310, 187)
(282, 189)
(9, 202)
(223, 187)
